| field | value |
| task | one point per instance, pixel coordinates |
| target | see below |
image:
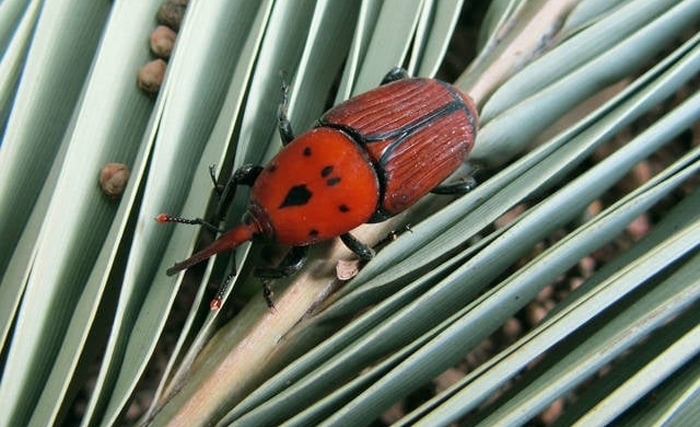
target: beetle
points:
(366, 160)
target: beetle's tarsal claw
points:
(267, 294)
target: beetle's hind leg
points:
(283, 123)
(457, 188)
(396, 73)
(290, 264)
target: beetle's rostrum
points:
(367, 159)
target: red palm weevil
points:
(367, 159)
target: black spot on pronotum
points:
(313, 233)
(343, 208)
(298, 195)
(307, 151)
(326, 171)
(332, 181)
(271, 167)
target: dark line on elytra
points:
(457, 96)
(400, 132)
(446, 110)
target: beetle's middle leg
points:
(360, 249)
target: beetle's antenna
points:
(163, 218)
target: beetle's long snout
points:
(228, 241)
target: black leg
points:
(245, 175)
(290, 264)
(212, 174)
(285, 127)
(396, 73)
(360, 249)
(390, 237)
(462, 187)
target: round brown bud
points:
(151, 76)
(162, 41)
(113, 179)
(171, 14)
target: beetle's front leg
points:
(290, 264)
(245, 175)
(283, 123)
